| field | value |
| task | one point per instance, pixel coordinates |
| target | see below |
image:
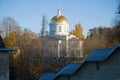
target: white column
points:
(67, 48)
(59, 48)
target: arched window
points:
(59, 28)
(65, 29)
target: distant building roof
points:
(68, 70)
(98, 55)
(101, 54)
(6, 50)
(47, 76)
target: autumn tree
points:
(23, 65)
(78, 31)
(43, 33)
(101, 37)
(27, 65)
(116, 26)
(8, 25)
(9, 28)
(27, 61)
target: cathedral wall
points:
(61, 29)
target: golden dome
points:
(59, 19)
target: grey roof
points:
(101, 54)
(98, 55)
(68, 70)
(6, 50)
(47, 76)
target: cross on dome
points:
(59, 12)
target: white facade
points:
(61, 42)
(59, 29)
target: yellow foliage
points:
(10, 40)
(78, 31)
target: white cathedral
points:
(59, 43)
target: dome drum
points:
(59, 25)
